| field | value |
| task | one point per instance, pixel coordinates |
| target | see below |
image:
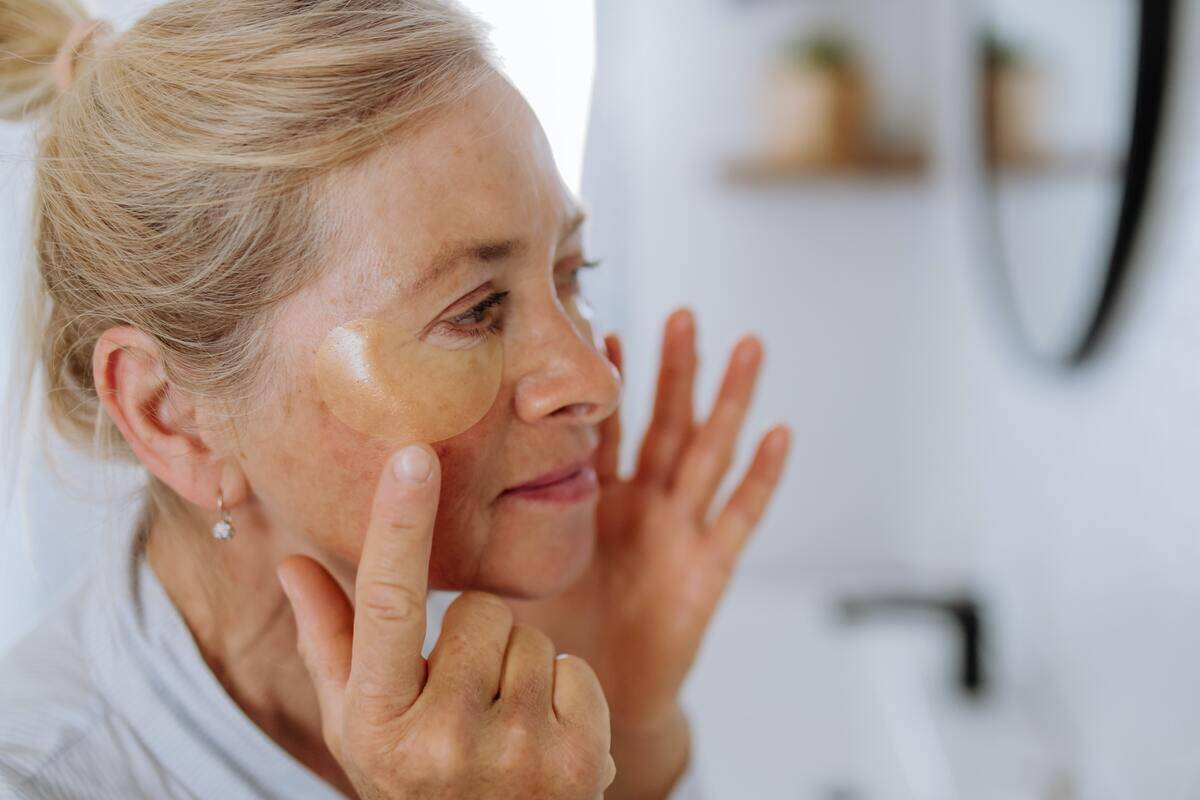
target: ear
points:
(159, 421)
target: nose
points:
(564, 374)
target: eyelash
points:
(475, 315)
(476, 312)
(582, 266)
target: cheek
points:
(462, 523)
(464, 518)
(343, 468)
(326, 474)
(314, 479)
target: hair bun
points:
(33, 36)
(81, 36)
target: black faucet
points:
(961, 609)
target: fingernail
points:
(561, 656)
(412, 465)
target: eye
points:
(573, 273)
(480, 321)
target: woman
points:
(222, 192)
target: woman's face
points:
(477, 181)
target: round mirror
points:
(1072, 95)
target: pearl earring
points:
(223, 528)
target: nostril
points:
(580, 409)
(580, 412)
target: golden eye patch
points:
(379, 379)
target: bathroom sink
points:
(787, 701)
(785, 704)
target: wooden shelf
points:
(1060, 165)
(883, 166)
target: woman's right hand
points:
(493, 712)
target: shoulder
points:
(51, 704)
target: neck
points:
(243, 626)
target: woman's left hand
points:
(662, 562)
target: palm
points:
(640, 611)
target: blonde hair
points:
(180, 184)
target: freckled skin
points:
(482, 170)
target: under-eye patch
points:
(379, 379)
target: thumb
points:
(324, 634)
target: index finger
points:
(387, 669)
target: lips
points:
(554, 476)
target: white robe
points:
(109, 697)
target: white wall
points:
(826, 274)
(1080, 490)
(925, 439)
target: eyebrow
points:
(449, 256)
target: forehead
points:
(482, 170)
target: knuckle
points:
(533, 637)
(366, 734)
(743, 517)
(520, 748)
(461, 689)
(434, 752)
(578, 668)
(671, 436)
(361, 747)
(485, 604)
(400, 524)
(389, 600)
(445, 749)
(716, 457)
(459, 651)
(583, 765)
(586, 698)
(370, 692)
(532, 690)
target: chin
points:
(534, 555)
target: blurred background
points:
(965, 230)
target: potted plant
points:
(1014, 97)
(815, 102)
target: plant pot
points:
(1015, 97)
(815, 115)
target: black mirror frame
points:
(1153, 67)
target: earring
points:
(223, 528)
